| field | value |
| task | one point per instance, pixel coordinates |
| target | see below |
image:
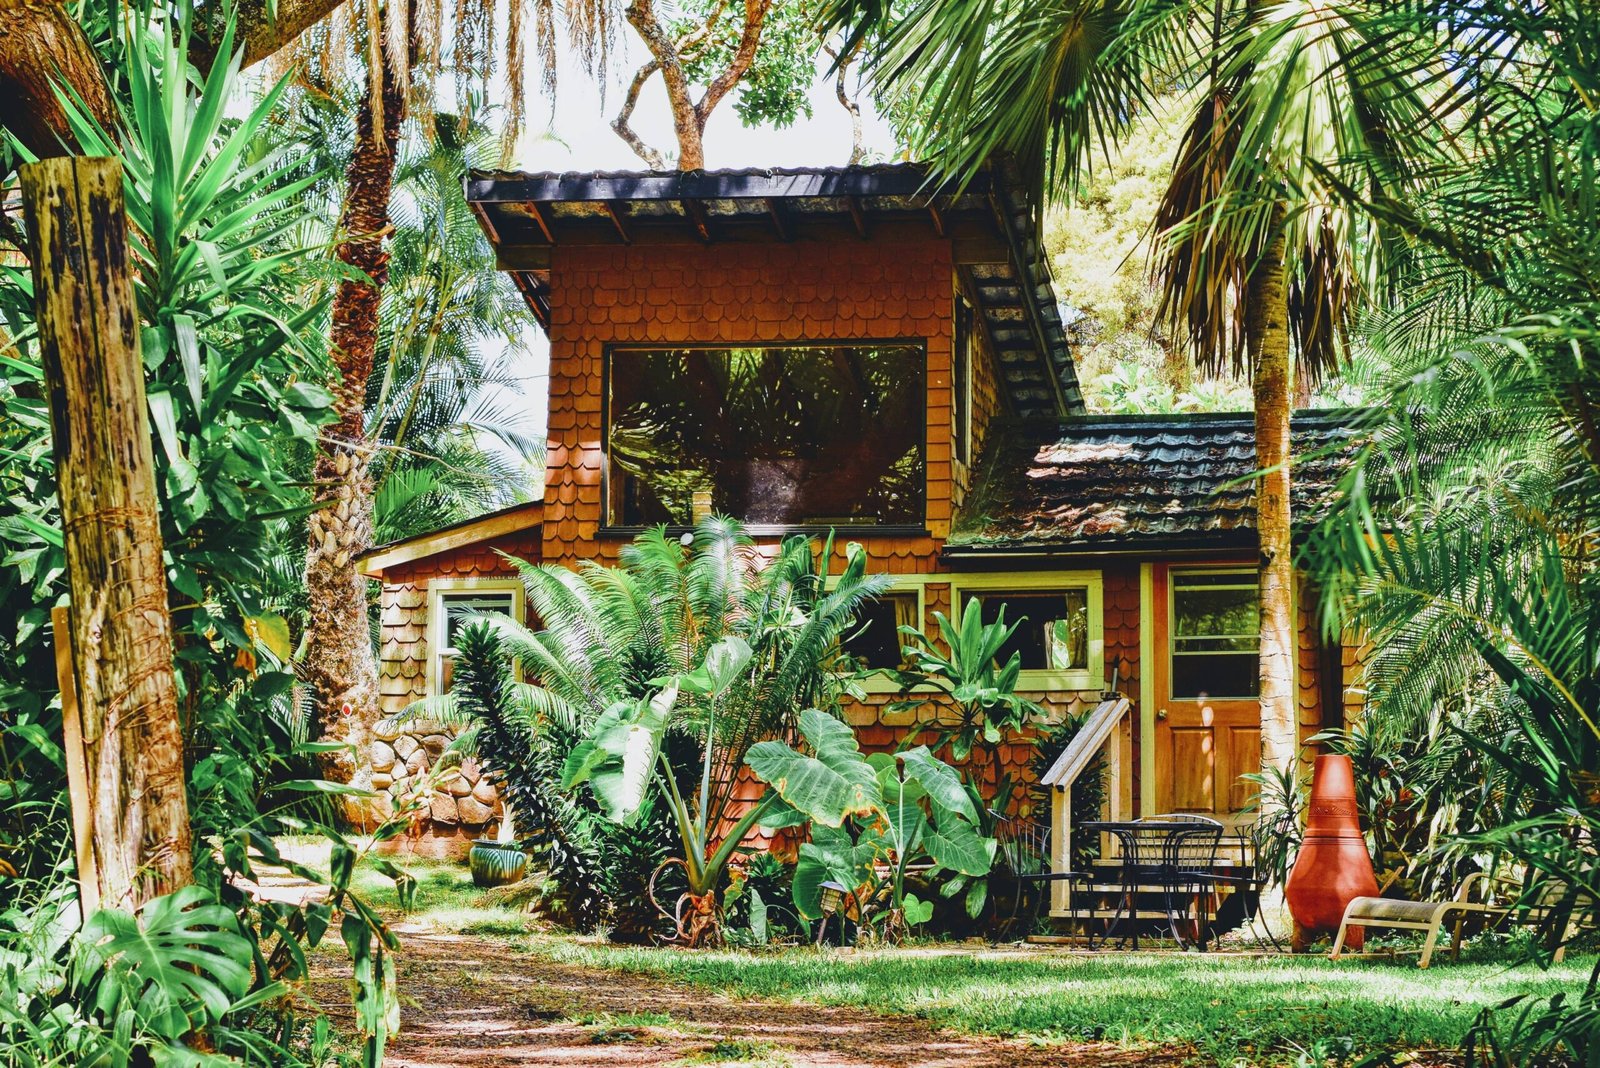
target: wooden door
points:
(1206, 642)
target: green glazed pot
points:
(496, 863)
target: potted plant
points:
(497, 861)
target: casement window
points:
(804, 435)
(1061, 637)
(1216, 634)
(875, 641)
(452, 604)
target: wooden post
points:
(121, 634)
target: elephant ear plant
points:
(887, 811)
(624, 757)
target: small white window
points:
(875, 640)
(453, 608)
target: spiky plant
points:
(707, 641)
(525, 775)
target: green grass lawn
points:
(1230, 1010)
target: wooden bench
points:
(1430, 916)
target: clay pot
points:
(1334, 867)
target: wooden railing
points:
(1109, 732)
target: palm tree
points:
(445, 410)
(1261, 261)
(339, 664)
(450, 299)
(1256, 255)
(1464, 541)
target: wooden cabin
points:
(859, 350)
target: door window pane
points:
(1054, 635)
(1216, 635)
(813, 435)
(874, 642)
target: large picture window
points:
(802, 435)
(1216, 634)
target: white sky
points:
(573, 132)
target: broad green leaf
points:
(758, 917)
(833, 785)
(917, 911)
(272, 632)
(940, 780)
(180, 963)
(722, 664)
(954, 843)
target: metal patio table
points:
(1173, 853)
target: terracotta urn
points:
(1334, 867)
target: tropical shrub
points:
(965, 678)
(893, 811)
(228, 351)
(646, 688)
(1463, 543)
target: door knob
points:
(1161, 713)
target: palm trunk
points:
(1268, 338)
(340, 666)
(41, 47)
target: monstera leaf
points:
(180, 963)
(831, 786)
(618, 758)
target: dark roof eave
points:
(1127, 545)
(911, 181)
(1211, 541)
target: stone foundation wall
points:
(409, 761)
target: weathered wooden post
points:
(105, 473)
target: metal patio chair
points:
(1024, 850)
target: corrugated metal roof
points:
(1108, 483)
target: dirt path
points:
(472, 1002)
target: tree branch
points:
(42, 47)
(840, 66)
(652, 158)
(755, 16)
(262, 28)
(641, 15)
